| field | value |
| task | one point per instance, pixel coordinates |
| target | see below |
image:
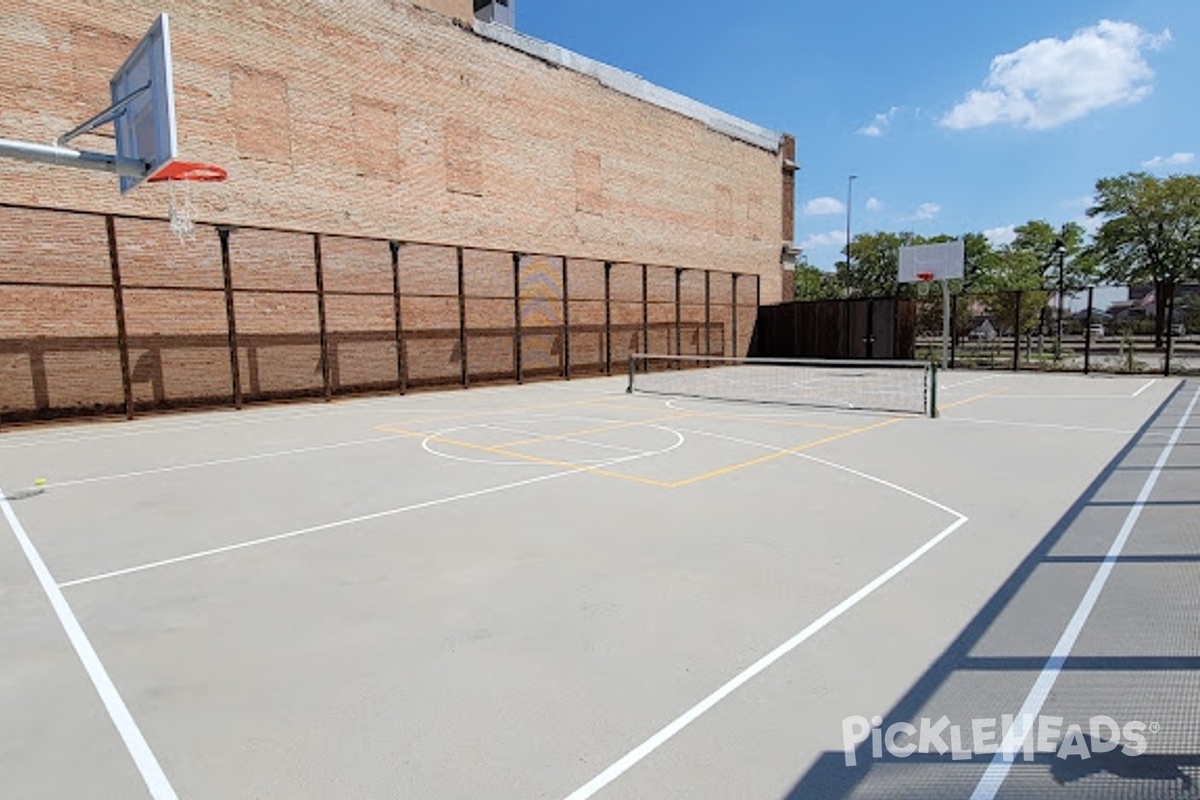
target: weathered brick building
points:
(380, 119)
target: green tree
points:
(813, 283)
(1150, 233)
(1039, 238)
(1008, 276)
(875, 263)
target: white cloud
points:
(927, 211)
(874, 204)
(818, 240)
(878, 125)
(823, 205)
(998, 237)
(1050, 81)
(1174, 160)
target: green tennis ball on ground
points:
(40, 482)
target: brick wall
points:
(375, 117)
(365, 118)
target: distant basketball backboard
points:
(928, 262)
(145, 130)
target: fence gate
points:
(859, 328)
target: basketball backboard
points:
(941, 261)
(145, 130)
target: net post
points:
(933, 381)
(394, 247)
(110, 230)
(629, 388)
(235, 373)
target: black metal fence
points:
(113, 314)
(863, 328)
(1102, 329)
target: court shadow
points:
(858, 773)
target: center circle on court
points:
(537, 445)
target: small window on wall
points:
(499, 11)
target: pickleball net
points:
(908, 387)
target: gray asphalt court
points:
(562, 591)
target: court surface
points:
(559, 591)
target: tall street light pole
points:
(1060, 249)
(849, 205)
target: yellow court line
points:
(781, 453)
(494, 412)
(942, 406)
(610, 427)
(526, 457)
(746, 418)
(500, 450)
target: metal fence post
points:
(323, 336)
(1170, 337)
(1016, 361)
(462, 318)
(119, 307)
(235, 371)
(708, 315)
(566, 323)
(1087, 334)
(737, 351)
(516, 265)
(645, 311)
(395, 246)
(678, 319)
(607, 317)
(953, 331)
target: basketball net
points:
(924, 281)
(180, 210)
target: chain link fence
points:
(1103, 329)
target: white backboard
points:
(146, 130)
(943, 260)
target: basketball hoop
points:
(181, 213)
(924, 280)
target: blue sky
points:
(956, 116)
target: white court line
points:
(1147, 385)
(139, 749)
(553, 438)
(259, 414)
(338, 524)
(1014, 740)
(678, 724)
(221, 462)
(1045, 425)
(968, 383)
(591, 463)
(1007, 396)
